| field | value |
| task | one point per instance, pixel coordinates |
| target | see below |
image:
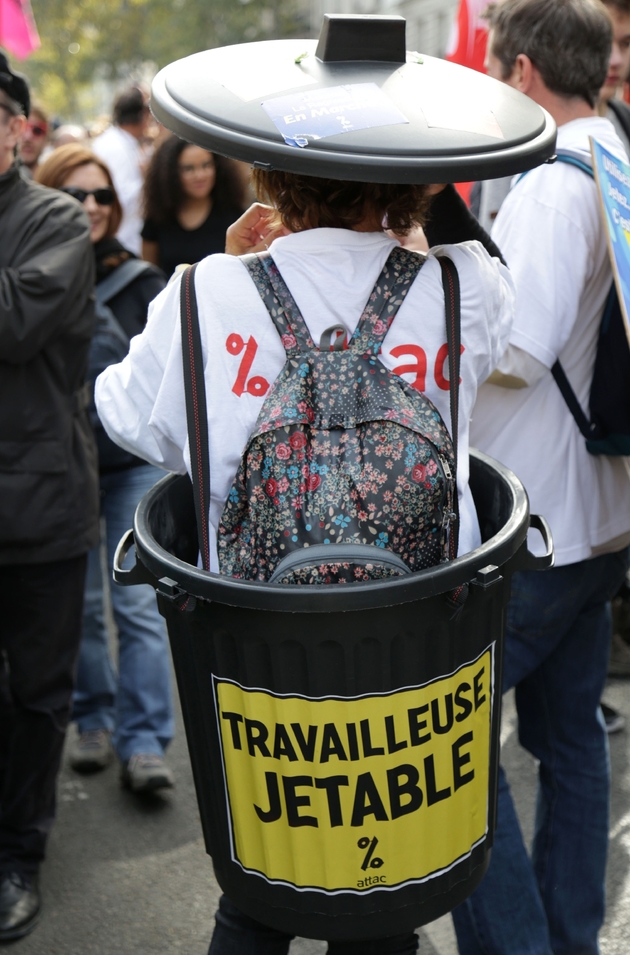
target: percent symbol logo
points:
(256, 386)
(373, 863)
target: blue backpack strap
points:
(388, 294)
(578, 163)
(571, 159)
(588, 429)
(122, 276)
(280, 304)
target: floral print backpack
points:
(349, 473)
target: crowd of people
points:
(98, 226)
(75, 291)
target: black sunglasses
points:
(104, 197)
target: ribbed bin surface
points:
(344, 739)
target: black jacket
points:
(48, 467)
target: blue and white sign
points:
(303, 117)
(613, 181)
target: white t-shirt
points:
(550, 232)
(123, 155)
(331, 273)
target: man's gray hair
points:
(11, 104)
(568, 41)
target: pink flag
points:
(18, 32)
(469, 35)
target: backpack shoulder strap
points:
(117, 280)
(452, 308)
(279, 302)
(571, 158)
(106, 321)
(588, 429)
(196, 410)
(388, 294)
(576, 159)
(571, 400)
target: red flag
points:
(467, 46)
(18, 32)
(469, 36)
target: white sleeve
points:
(141, 401)
(487, 304)
(529, 233)
(516, 363)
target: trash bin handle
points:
(137, 574)
(538, 522)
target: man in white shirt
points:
(558, 637)
(121, 147)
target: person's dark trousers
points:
(40, 632)
(237, 934)
(556, 655)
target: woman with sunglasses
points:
(191, 197)
(133, 709)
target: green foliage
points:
(113, 39)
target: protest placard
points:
(613, 182)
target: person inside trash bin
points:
(329, 241)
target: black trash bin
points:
(344, 739)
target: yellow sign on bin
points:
(355, 794)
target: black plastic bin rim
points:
(442, 579)
(335, 163)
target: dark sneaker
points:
(92, 751)
(614, 721)
(20, 905)
(147, 772)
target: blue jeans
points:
(136, 704)
(557, 647)
(238, 934)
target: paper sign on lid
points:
(306, 116)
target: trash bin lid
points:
(353, 105)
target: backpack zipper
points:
(450, 489)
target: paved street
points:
(125, 876)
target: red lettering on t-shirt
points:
(257, 385)
(441, 358)
(419, 367)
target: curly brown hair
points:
(307, 202)
(55, 170)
